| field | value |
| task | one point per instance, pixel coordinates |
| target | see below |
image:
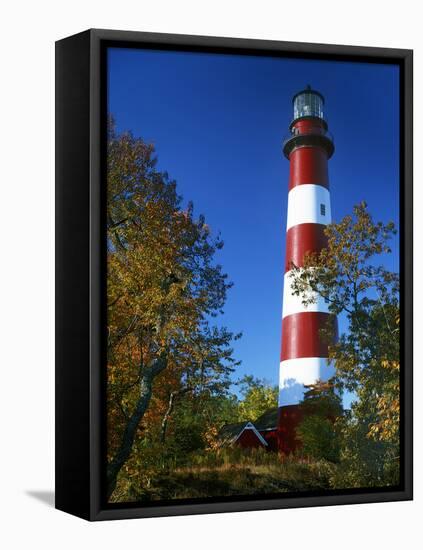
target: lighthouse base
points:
(289, 418)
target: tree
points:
(164, 289)
(257, 397)
(317, 433)
(366, 356)
(206, 374)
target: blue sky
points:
(218, 121)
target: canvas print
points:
(253, 267)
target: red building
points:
(267, 425)
(260, 433)
(242, 434)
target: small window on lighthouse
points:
(323, 210)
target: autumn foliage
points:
(164, 290)
(360, 288)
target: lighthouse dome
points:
(308, 103)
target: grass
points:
(230, 472)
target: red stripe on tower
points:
(301, 335)
(303, 351)
(303, 239)
(308, 165)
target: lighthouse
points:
(304, 353)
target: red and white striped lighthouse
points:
(303, 353)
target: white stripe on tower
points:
(293, 303)
(306, 369)
(308, 204)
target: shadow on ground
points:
(46, 497)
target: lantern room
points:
(308, 103)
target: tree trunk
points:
(170, 407)
(125, 448)
(167, 415)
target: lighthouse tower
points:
(303, 353)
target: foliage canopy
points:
(346, 273)
(164, 289)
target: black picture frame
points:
(80, 269)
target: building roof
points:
(229, 433)
(268, 420)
